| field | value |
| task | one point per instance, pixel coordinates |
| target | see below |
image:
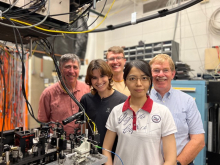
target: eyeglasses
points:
(118, 58)
(157, 71)
(135, 79)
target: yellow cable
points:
(9, 53)
(54, 31)
(91, 121)
(32, 53)
(17, 59)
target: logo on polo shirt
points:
(108, 110)
(156, 118)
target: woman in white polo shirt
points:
(140, 123)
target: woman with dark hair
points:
(99, 103)
(140, 123)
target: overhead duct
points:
(160, 13)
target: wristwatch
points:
(178, 163)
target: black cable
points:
(35, 7)
(30, 110)
(98, 15)
(39, 43)
(16, 13)
(160, 13)
(49, 46)
(4, 104)
(91, 4)
(27, 4)
(83, 22)
(36, 16)
(60, 77)
(53, 15)
(51, 122)
(40, 32)
(40, 6)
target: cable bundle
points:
(214, 28)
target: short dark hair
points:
(104, 69)
(66, 57)
(139, 64)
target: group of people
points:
(138, 114)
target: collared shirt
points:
(141, 132)
(185, 113)
(146, 107)
(56, 105)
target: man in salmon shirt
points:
(55, 104)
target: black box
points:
(213, 92)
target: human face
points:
(99, 82)
(162, 76)
(116, 65)
(70, 72)
(140, 83)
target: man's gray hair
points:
(66, 57)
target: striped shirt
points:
(185, 113)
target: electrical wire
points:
(37, 16)
(40, 32)
(213, 27)
(23, 68)
(98, 15)
(51, 122)
(43, 2)
(36, 7)
(29, 107)
(25, 27)
(58, 31)
(10, 7)
(111, 27)
(147, 18)
(82, 14)
(50, 49)
(4, 104)
(83, 22)
(110, 152)
(88, 119)
(94, 125)
(57, 35)
(5, 50)
(194, 37)
(70, 94)
(176, 21)
(26, 4)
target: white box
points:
(56, 7)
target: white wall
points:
(192, 32)
(36, 84)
